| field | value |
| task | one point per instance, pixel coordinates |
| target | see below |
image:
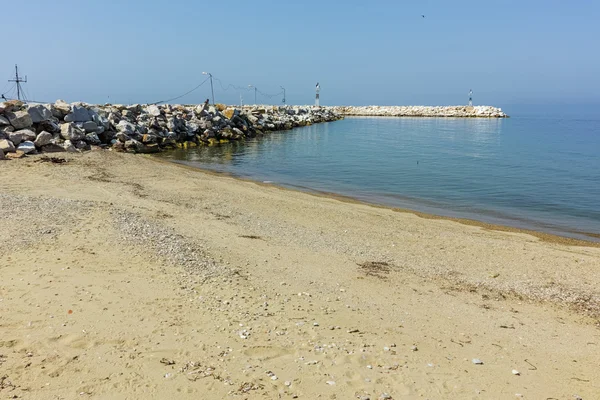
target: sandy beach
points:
(124, 277)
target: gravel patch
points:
(166, 245)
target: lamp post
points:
(255, 89)
(211, 85)
(283, 101)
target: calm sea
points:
(534, 170)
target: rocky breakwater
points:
(422, 111)
(29, 129)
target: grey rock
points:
(82, 145)
(92, 138)
(78, 114)
(27, 134)
(39, 113)
(26, 147)
(122, 136)
(2, 155)
(16, 137)
(53, 148)
(49, 126)
(90, 126)
(4, 121)
(19, 119)
(7, 146)
(43, 139)
(70, 131)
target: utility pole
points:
(211, 85)
(255, 90)
(470, 97)
(18, 80)
(283, 101)
(318, 89)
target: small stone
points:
(385, 396)
(515, 372)
(274, 378)
(477, 361)
(414, 348)
(287, 383)
(315, 324)
(369, 366)
(330, 382)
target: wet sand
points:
(124, 277)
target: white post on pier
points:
(318, 89)
(470, 97)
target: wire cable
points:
(185, 94)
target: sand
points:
(123, 277)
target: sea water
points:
(532, 171)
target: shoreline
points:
(594, 240)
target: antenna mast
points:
(18, 80)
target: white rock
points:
(26, 147)
(153, 110)
(330, 382)
(477, 361)
(515, 372)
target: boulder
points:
(11, 105)
(70, 131)
(43, 139)
(122, 137)
(4, 121)
(49, 126)
(52, 148)
(27, 134)
(92, 138)
(19, 119)
(78, 114)
(90, 126)
(153, 110)
(26, 147)
(39, 113)
(7, 146)
(16, 137)
(126, 127)
(60, 109)
(68, 146)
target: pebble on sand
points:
(477, 361)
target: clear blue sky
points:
(362, 52)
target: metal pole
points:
(18, 85)
(283, 95)
(211, 88)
